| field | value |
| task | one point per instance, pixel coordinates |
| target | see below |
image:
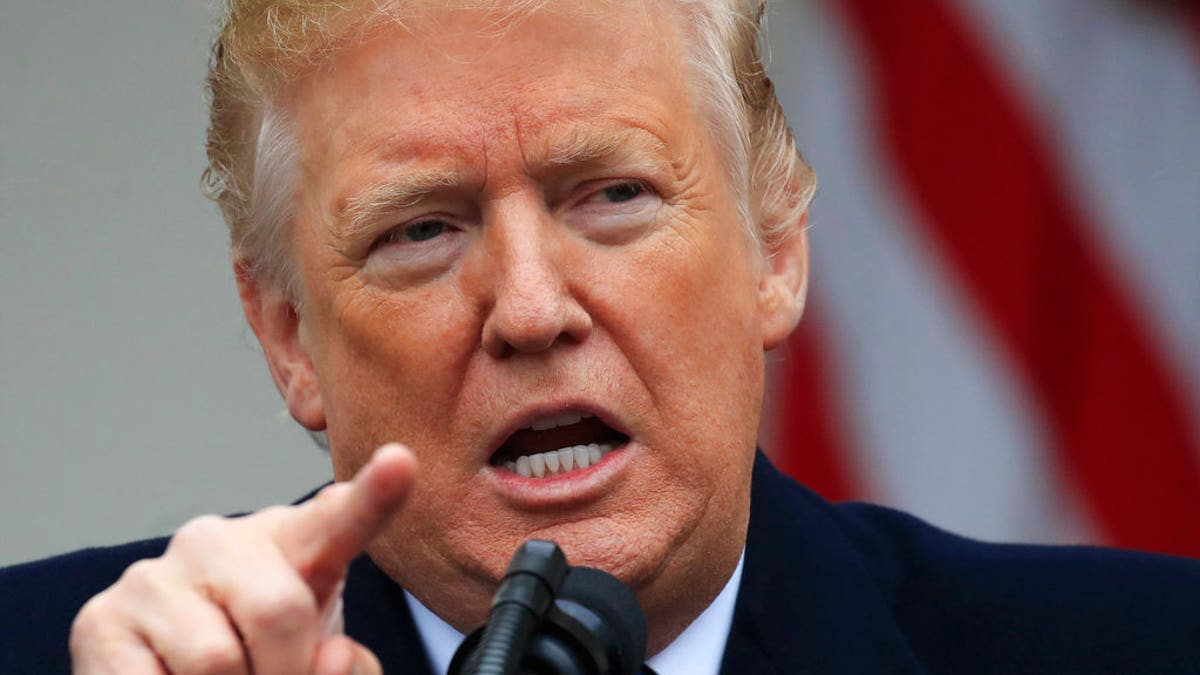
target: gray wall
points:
(131, 394)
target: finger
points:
(333, 619)
(342, 656)
(101, 646)
(175, 624)
(274, 610)
(247, 579)
(118, 656)
(191, 635)
(323, 535)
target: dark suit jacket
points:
(847, 588)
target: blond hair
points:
(266, 44)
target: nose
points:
(533, 305)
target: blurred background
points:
(1005, 325)
(1003, 332)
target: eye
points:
(422, 231)
(617, 197)
(614, 211)
(413, 233)
(623, 192)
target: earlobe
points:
(275, 322)
(783, 287)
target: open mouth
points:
(557, 445)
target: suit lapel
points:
(807, 601)
(377, 615)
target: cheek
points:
(389, 364)
(693, 307)
(684, 316)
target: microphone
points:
(548, 618)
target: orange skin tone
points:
(492, 227)
(541, 287)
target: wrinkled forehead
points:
(636, 34)
(491, 47)
(449, 85)
(300, 35)
(457, 77)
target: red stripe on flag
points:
(989, 194)
(808, 445)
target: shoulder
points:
(40, 600)
(968, 606)
(61, 580)
(1026, 608)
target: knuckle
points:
(140, 576)
(214, 655)
(199, 532)
(99, 632)
(89, 622)
(284, 611)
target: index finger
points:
(320, 537)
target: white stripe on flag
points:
(942, 426)
(1117, 85)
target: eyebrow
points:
(576, 148)
(397, 192)
(581, 148)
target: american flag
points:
(1003, 333)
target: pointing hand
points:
(259, 594)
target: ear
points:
(783, 287)
(275, 322)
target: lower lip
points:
(577, 486)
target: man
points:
(545, 245)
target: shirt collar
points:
(697, 650)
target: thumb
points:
(339, 655)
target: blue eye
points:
(424, 230)
(623, 192)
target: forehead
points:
(454, 82)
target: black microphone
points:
(582, 621)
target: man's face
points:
(504, 231)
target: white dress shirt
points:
(697, 650)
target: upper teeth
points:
(559, 461)
(562, 420)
